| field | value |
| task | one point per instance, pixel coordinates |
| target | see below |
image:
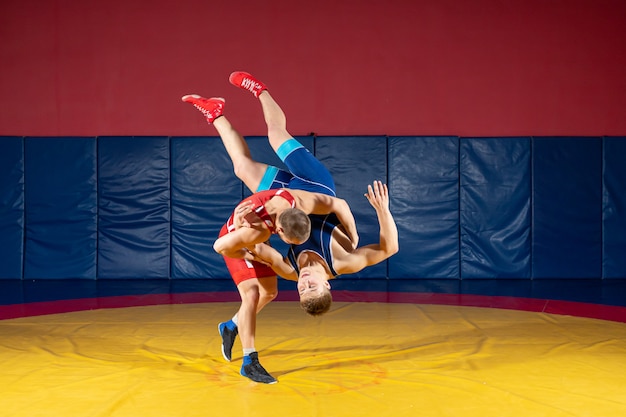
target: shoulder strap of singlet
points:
(287, 196)
(264, 215)
(267, 219)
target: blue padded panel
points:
(582, 290)
(354, 163)
(11, 207)
(424, 188)
(495, 207)
(204, 193)
(11, 290)
(60, 208)
(137, 287)
(567, 208)
(134, 207)
(613, 292)
(425, 285)
(66, 289)
(614, 208)
(497, 287)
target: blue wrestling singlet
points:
(305, 171)
(322, 227)
(308, 174)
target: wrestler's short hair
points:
(296, 224)
(318, 305)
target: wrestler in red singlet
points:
(241, 269)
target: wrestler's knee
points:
(241, 169)
(278, 133)
(268, 289)
(269, 295)
(250, 295)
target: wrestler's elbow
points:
(392, 248)
(218, 247)
(342, 204)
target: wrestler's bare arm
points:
(232, 244)
(316, 203)
(388, 245)
(266, 254)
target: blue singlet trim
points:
(268, 178)
(287, 147)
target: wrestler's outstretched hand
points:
(378, 196)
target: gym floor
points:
(361, 359)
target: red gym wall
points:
(339, 67)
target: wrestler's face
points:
(312, 283)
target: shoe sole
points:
(223, 353)
(259, 382)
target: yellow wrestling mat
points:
(361, 359)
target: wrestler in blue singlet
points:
(309, 174)
(322, 227)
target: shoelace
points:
(250, 85)
(203, 110)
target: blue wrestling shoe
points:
(228, 338)
(252, 369)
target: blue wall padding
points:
(424, 189)
(467, 209)
(11, 207)
(495, 207)
(425, 285)
(60, 208)
(354, 163)
(614, 208)
(134, 207)
(567, 208)
(204, 193)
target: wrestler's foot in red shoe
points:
(247, 82)
(212, 108)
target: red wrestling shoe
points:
(212, 108)
(247, 82)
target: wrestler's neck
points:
(276, 205)
(313, 261)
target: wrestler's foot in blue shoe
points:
(228, 331)
(252, 369)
